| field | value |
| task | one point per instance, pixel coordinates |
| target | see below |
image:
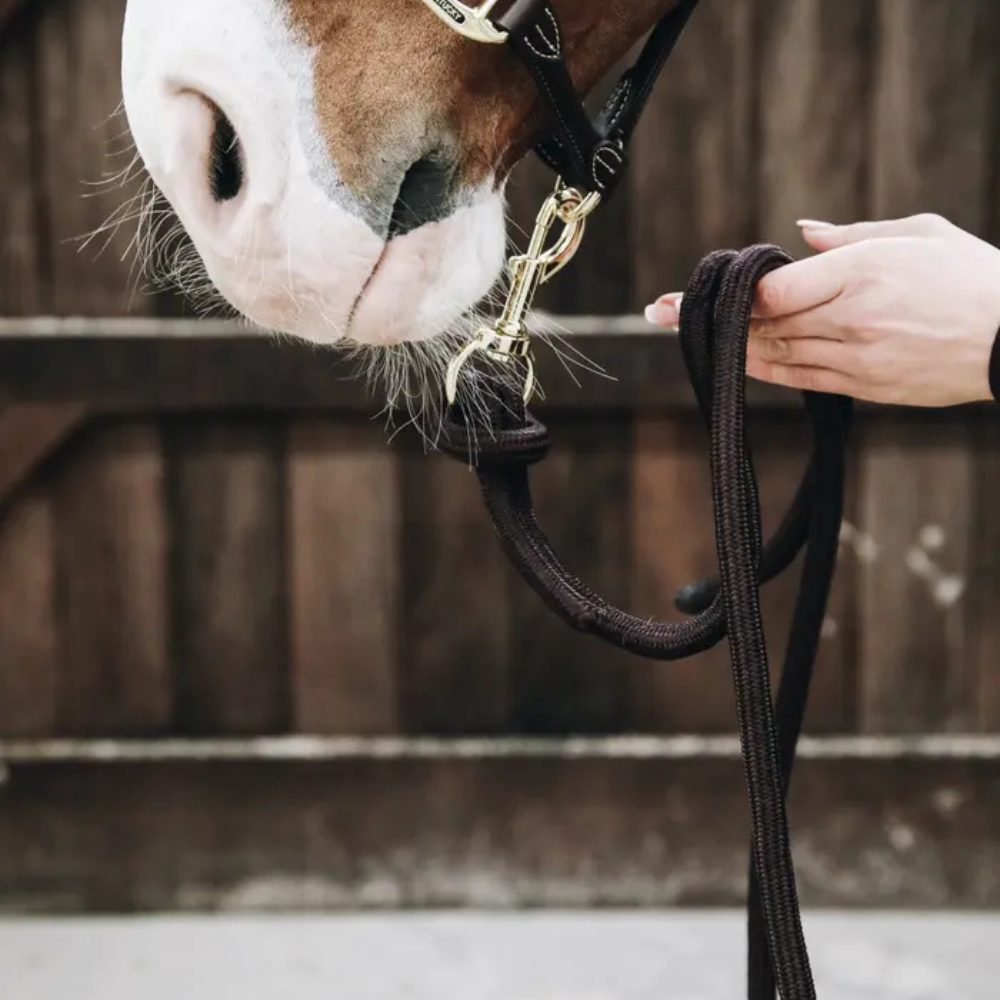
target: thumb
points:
(827, 236)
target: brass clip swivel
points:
(508, 340)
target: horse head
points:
(339, 165)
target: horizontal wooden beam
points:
(323, 824)
(190, 365)
(303, 749)
(145, 365)
(154, 328)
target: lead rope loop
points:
(504, 443)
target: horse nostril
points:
(225, 166)
(423, 196)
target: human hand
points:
(903, 312)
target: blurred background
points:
(260, 655)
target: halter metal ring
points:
(471, 21)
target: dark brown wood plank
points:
(816, 62)
(29, 435)
(780, 450)
(28, 673)
(692, 179)
(455, 626)
(20, 239)
(601, 280)
(229, 621)
(675, 545)
(560, 680)
(935, 86)
(84, 144)
(111, 558)
(916, 488)
(983, 600)
(591, 826)
(932, 145)
(344, 564)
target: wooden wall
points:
(238, 570)
(269, 569)
(770, 110)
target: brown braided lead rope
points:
(714, 331)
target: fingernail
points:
(661, 314)
(814, 224)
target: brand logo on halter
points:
(453, 12)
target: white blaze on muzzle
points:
(293, 248)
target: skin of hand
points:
(903, 312)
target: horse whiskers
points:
(160, 251)
(409, 377)
(120, 178)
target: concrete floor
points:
(549, 956)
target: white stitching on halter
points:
(599, 161)
(553, 46)
(618, 99)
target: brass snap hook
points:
(508, 339)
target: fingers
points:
(804, 284)
(826, 236)
(806, 379)
(795, 288)
(813, 323)
(815, 281)
(822, 323)
(802, 352)
(666, 310)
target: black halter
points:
(503, 442)
(589, 154)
